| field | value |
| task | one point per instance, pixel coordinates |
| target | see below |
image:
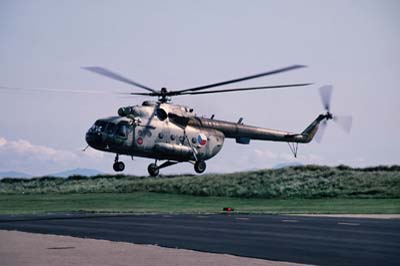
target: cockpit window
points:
(110, 128)
(122, 130)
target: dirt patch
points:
(19, 248)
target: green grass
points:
(147, 202)
(310, 182)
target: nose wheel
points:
(118, 166)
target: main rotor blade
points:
(53, 90)
(242, 89)
(241, 79)
(138, 93)
(345, 122)
(326, 93)
(107, 73)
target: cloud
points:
(23, 148)
(92, 153)
(247, 157)
(266, 154)
(261, 158)
(22, 155)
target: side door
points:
(123, 134)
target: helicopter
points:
(172, 133)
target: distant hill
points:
(77, 171)
(14, 174)
(67, 173)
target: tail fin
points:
(309, 133)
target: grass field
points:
(147, 202)
(299, 189)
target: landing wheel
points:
(200, 166)
(153, 169)
(119, 166)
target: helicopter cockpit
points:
(108, 131)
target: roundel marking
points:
(202, 139)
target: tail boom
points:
(240, 131)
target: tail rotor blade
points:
(345, 122)
(321, 131)
(326, 92)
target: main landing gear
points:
(154, 170)
(200, 166)
(118, 166)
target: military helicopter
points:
(173, 133)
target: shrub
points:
(310, 181)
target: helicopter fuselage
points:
(171, 132)
(147, 131)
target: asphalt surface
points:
(309, 240)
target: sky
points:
(353, 45)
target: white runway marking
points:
(242, 218)
(352, 224)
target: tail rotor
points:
(344, 122)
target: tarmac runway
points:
(308, 240)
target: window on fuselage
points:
(122, 129)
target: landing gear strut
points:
(154, 170)
(118, 166)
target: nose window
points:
(110, 128)
(99, 126)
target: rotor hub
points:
(163, 95)
(328, 116)
(163, 91)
